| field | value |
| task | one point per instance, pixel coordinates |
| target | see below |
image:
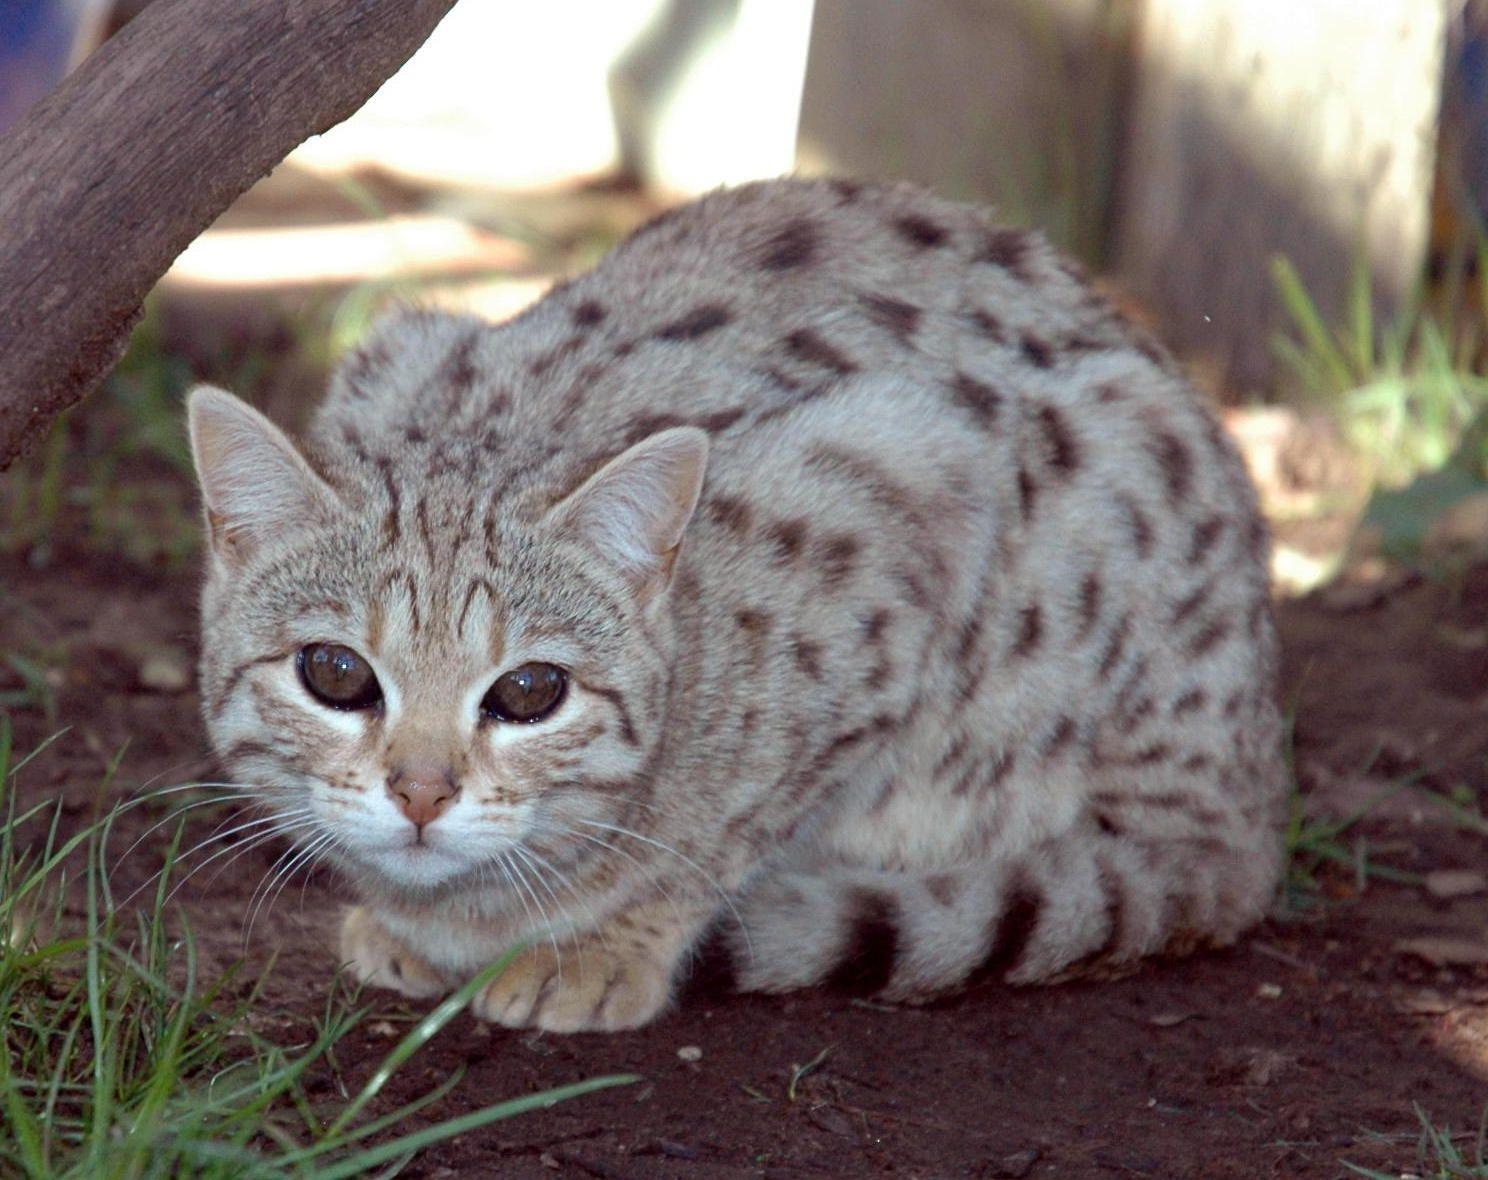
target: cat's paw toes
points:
(375, 957)
(583, 989)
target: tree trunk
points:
(109, 178)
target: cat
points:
(830, 567)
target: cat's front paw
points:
(373, 956)
(584, 988)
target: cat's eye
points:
(528, 693)
(336, 676)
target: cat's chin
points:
(414, 868)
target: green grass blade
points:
(409, 1145)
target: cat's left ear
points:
(255, 485)
(633, 510)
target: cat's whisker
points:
(179, 813)
(155, 877)
(303, 857)
(218, 834)
(649, 871)
(542, 869)
(544, 923)
(662, 846)
(258, 840)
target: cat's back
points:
(734, 311)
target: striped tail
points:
(1080, 904)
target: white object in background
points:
(515, 95)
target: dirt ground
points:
(1306, 1047)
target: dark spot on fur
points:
(808, 347)
(1063, 734)
(1027, 494)
(1007, 248)
(648, 424)
(1194, 698)
(984, 323)
(588, 314)
(893, 315)
(1176, 464)
(789, 537)
(1257, 538)
(1210, 635)
(458, 373)
(1151, 755)
(755, 623)
(794, 245)
(837, 558)
(1115, 647)
(920, 232)
(732, 513)
(871, 944)
(1186, 606)
(1013, 926)
(876, 625)
(720, 420)
(1037, 351)
(542, 364)
(1030, 629)
(808, 656)
(1141, 527)
(848, 190)
(977, 396)
(1205, 533)
(698, 322)
(1090, 596)
(1064, 453)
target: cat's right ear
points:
(633, 510)
(255, 485)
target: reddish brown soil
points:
(1302, 1047)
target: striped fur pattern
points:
(965, 655)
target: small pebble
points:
(1269, 991)
(690, 1053)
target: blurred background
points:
(1290, 192)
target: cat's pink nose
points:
(423, 796)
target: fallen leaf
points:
(1013, 1166)
(1446, 883)
(1445, 950)
(832, 1120)
(1425, 1003)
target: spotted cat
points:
(830, 568)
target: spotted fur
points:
(924, 625)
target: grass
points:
(1437, 1155)
(1408, 392)
(1317, 846)
(83, 467)
(123, 1059)
(1405, 388)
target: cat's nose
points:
(422, 795)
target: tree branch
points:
(111, 176)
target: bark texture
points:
(109, 178)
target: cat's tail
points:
(1082, 903)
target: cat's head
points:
(417, 673)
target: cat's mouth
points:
(417, 861)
